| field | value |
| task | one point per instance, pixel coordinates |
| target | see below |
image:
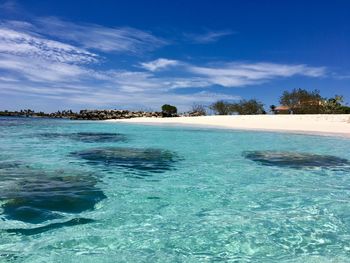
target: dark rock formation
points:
(88, 114)
(297, 160)
(148, 160)
(33, 196)
(113, 114)
(193, 114)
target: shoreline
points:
(316, 124)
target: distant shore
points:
(320, 124)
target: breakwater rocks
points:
(87, 114)
(97, 114)
(113, 114)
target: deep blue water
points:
(74, 191)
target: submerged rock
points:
(34, 197)
(154, 160)
(296, 160)
(89, 137)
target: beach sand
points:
(320, 124)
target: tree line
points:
(301, 101)
(243, 107)
(297, 101)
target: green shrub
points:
(221, 107)
(345, 110)
(248, 107)
(243, 107)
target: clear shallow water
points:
(167, 194)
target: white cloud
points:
(38, 70)
(133, 81)
(149, 100)
(78, 84)
(160, 63)
(234, 74)
(40, 66)
(86, 36)
(101, 38)
(32, 45)
(137, 81)
(85, 95)
(243, 74)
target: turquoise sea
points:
(80, 191)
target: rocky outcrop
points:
(113, 114)
(89, 114)
(192, 114)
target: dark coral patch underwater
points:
(152, 160)
(88, 137)
(33, 196)
(297, 160)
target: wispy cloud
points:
(158, 64)
(101, 38)
(27, 55)
(236, 74)
(57, 60)
(242, 74)
(33, 45)
(143, 100)
(87, 36)
(87, 95)
(85, 86)
(38, 70)
(209, 36)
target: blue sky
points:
(141, 54)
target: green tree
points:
(243, 107)
(248, 107)
(345, 109)
(301, 101)
(169, 110)
(221, 108)
(334, 105)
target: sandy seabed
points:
(320, 124)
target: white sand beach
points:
(338, 125)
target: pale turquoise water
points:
(193, 196)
